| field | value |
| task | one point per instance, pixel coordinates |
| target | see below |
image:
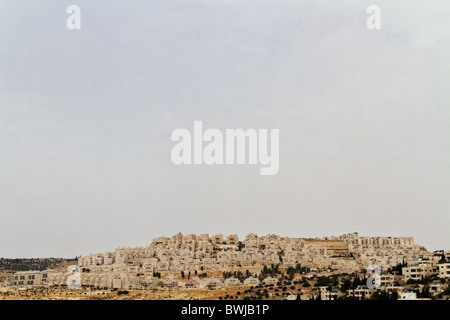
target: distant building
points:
(407, 296)
(192, 284)
(444, 270)
(251, 281)
(270, 280)
(390, 279)
(326, 294)
(30, 278)
(361, 292)
(232, 282)
(422, 269)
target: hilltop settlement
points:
(260, 267)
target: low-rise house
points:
(192, 284)
(436, 287)
(270, 280)
(361, 292)
(212, 283)
(326, 294)
(148, 267)
(171, 283)
(390, 279)
(163, 266)
(407, 295)
(444, 270)
(232, 282)
(424, 268)
(251, 281)
(133, 268)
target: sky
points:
(86, 118)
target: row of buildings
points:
(135, 268)
(347, 253)
(126, 281)
(110, 279)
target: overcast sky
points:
(86, 118)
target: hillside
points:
(10, 266)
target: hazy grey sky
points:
(86, 117)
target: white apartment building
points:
(30, 278)
(422, 269)
(444, 270)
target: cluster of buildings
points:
(117, 279)
(407, 284)
(189, 255)
(426, 268)
(346, 253)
